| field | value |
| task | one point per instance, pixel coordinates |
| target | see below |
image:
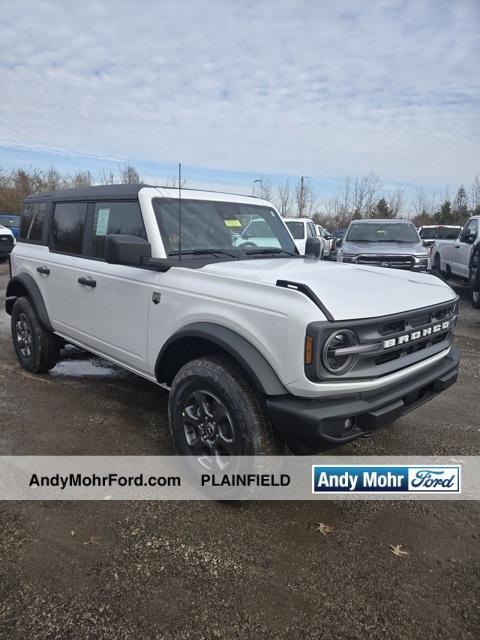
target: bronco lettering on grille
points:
(416, 335)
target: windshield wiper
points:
(254, 252)
(203, 252)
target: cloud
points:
(287, 87)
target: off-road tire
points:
(224, 379)
(44, 346)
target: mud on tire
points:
(211, 401)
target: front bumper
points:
(308, 426)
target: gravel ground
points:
(206, 570)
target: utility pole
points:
(301, 196)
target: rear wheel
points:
(475, 277)
(37, 349)
(214, 412)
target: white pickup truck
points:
(460, 259)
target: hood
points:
(384, 248)
(348, 291)
(5, 230)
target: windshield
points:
(380, 232)
(297, 229)
(209, 226)
(440, 233)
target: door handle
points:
(44, 270)
(87, 282)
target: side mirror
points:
(313, 247)
(339, 242)
(128, 250)
(471, 239)
(328, 236)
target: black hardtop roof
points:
(108, 192)
(111, 191)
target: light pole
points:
(260, 181)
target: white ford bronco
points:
(259, 346)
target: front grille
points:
(388, 261)
(6, 241)
(377, 333)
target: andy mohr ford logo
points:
(416, 335)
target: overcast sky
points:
(325, 89)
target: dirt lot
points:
(207, 570)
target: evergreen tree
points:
(445, 214)
(382, 210)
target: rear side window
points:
(32, 222)
(67, 227)
(124, 218)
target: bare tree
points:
(81, 179)
(264, 190)
(284, 199)
(106, 176)
(128, 174)
(474, 196)
(172, 182)
(396, 201)
(54, 180)
(365, 194)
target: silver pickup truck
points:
(383, 243)
(460, 259)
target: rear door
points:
(113, 300)
(58, 268)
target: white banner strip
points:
(241, 478)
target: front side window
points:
(32, 221)
(123, 218)
(471, 230)
(224, 226)
(67, 227)
(379, 232)
(297, 229)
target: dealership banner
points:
(319, 477)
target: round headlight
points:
(334, 359)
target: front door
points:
(463, 249)
(113, 300)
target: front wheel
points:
(475, 277)
(37, 349)
(214, 412)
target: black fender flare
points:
(248, 357)
(24, 284)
